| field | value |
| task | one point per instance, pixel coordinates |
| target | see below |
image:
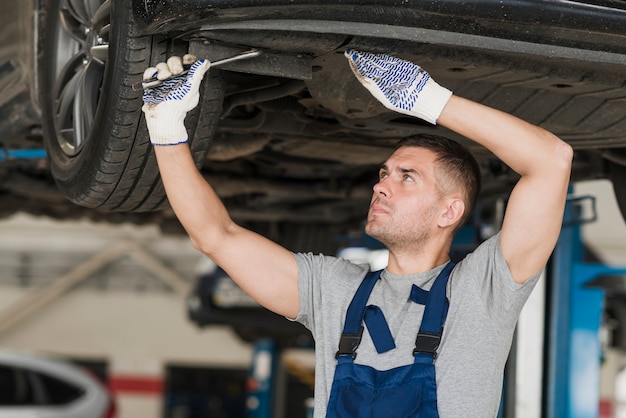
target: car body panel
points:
(93, 403)
(568, 54)
(579, 25)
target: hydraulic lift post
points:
(573, 352)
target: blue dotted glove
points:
(167, 104)
(399, 85)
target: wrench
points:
(153, 82)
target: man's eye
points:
(383, 175)
(408, 178)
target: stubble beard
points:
(398, 237)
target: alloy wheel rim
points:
(81, 53)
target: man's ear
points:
(453, 212)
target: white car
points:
(37, 387)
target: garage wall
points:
(121, 314)
(607, 235)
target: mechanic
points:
(425, 192)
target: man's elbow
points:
(559, 161)
(211, 239)
(564, 155)
(197, 244)
(204, 242)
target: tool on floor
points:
(153, 82)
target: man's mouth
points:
(376, 207)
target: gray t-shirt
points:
(485, 303)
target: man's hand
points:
(399, 85)
(167, 104)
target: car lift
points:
(261, 386)
(572, 387)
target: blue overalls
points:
(360, 391)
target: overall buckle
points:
(348, 343)
(427, 343)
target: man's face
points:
(406, 201)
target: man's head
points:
(428, 182)
(456, 168)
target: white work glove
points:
(167, 104)
(399, 85)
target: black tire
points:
(101, 156)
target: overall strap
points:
(435, 312)
(358, 311)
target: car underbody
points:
(297, 140)
(306, 148)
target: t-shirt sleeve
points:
(323, 283)
(308, 267)
(484, 278)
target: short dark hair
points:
(456, 166)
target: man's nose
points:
(381, 188)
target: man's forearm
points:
(524, 147)
(194, 201)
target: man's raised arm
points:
(534, 212)
(265, 270)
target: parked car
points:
(35, 386)
(289, 139)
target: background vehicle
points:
(216, 299)
(33, 386)
(290, 140)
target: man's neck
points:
(412, 260)
(404, 264)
